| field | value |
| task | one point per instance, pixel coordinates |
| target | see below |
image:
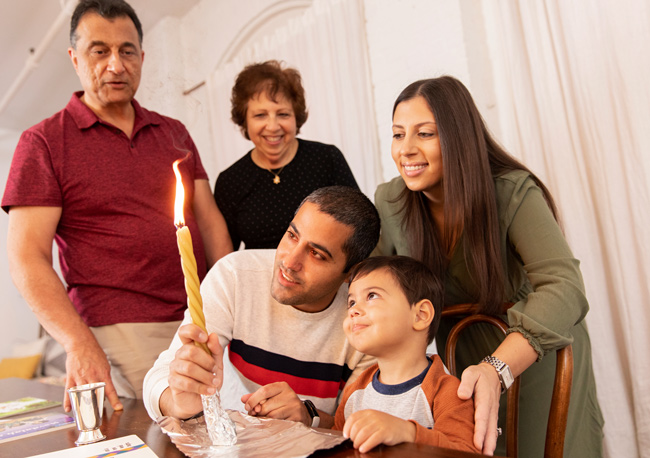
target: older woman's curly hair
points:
(271, 78)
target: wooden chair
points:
(557, 420)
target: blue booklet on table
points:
(17, 428)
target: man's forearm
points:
(31, 233)
(30, 236)
(45, 294)
(214, 231)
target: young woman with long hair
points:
(487, 225)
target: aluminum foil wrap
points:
(256, 437)
(220, 427)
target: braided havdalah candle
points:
(220, 427)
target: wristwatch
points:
(313, 413)
(503, 370)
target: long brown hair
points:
(471, 160)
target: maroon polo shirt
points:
(116, 236)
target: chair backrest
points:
(557, 420)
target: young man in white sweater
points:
(279, 314)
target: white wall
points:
(20, 325)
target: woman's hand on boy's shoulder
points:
(369, 428)
(482, 382)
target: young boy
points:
(394, 306)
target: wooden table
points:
(134, 420)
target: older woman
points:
(259, 193)
(487, 225)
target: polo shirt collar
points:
(84, 117)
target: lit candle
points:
(188, 261)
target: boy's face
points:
(380, 317)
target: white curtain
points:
(327, 44)
(572, 84)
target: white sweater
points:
(270, 342)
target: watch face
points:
(506, 376)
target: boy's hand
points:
(369, 428)
(276, 400)
(192, 373)
(482, 382)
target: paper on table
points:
(127, 447)
(24, 405)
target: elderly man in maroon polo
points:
(97, 178)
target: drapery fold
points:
(573, 100)
(327, 44)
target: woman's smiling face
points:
(416, 147)
(271, 125)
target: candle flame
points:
(179, 219)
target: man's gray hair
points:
(108, 9)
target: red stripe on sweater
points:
(302, 386)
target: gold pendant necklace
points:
(276, 176)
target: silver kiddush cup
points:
(88, 405)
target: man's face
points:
(108, 60)
(309, 261)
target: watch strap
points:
(313, 413)
(503, 371)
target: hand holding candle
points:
(220, 427)
(188, 261)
